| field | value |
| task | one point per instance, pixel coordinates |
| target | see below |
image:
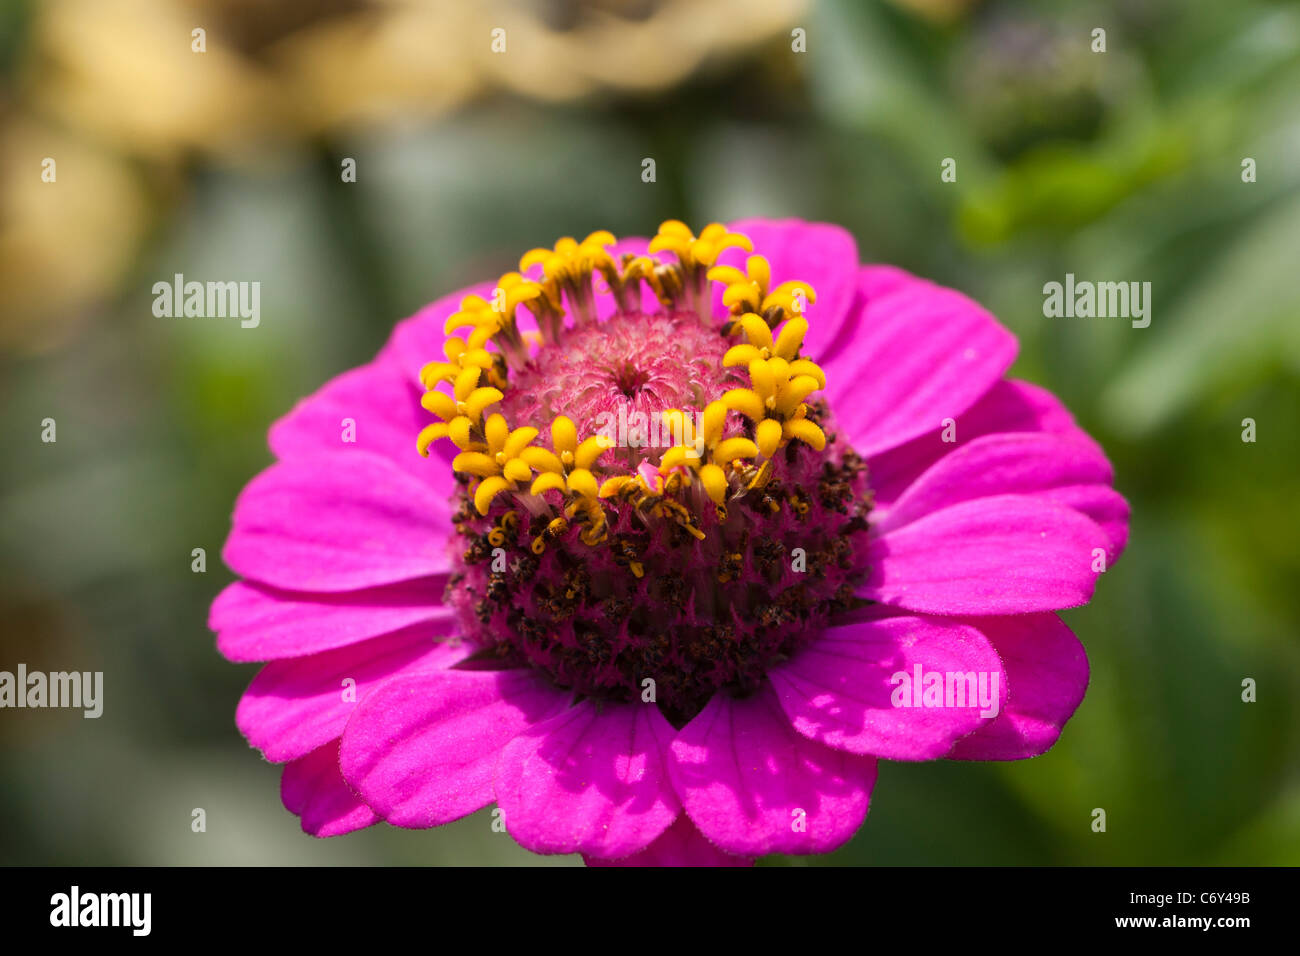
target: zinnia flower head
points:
(698, 529)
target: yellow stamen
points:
(768, 436)
(733, 448)
(806, 367)
(714, 480)
(790, 340)
(428, 435)
(583, 483)
(543, 460)
(549, 481)
(440, 404)
(745, 401)
(488, 489)
(806, 432)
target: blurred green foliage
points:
(1122, 165)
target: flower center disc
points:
(656, 611)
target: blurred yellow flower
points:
(160, 80)
(62, 243)
(128, 70)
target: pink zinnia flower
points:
(828, 531)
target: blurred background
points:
(1122, 165)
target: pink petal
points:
(919, 353)
(844, 690)
(384, 408)
(1007, 554)
(294, 706)
(754, 786)
(1047, 675)
(682, 844)
(823, 255)
(422, 750)
(338, 523)
(878, 281)
(1009, 406)
(312, 788)
(589, 780)
(1049, 467)
(257, 623)
(1106, 506)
